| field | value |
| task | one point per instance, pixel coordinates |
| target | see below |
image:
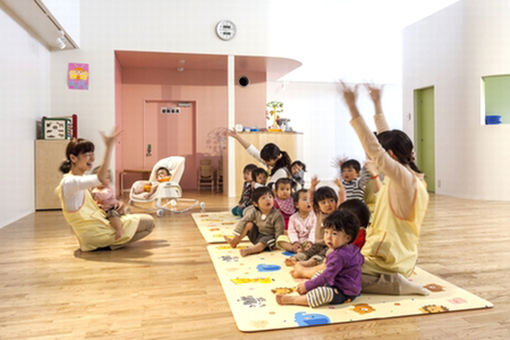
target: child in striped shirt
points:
(355, 178)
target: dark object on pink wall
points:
(244, 81)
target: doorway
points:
(424, 128)
(169, 130)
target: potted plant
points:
(273, 111)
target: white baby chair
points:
(168, 195)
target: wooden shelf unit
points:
(49, 154)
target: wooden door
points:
(170, 134)
(424, 127)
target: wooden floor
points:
(165, 287)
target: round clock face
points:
(225, 29)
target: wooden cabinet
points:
(49, 154)
(291, 142)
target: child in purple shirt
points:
(341, 280)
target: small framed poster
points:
(78, 76)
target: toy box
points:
(55, 128)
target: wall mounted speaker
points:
(244, 81)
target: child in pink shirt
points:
(301, 229)
(106, 200)
(283, 200)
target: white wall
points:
(317, 110)
(452, 50)
(24, 98)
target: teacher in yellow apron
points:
(87, 220)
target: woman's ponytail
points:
(65, 167)
(401, 145)
(283, 162)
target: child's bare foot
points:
(283, 299)
(231, 241)
(246, 251)
(308, 263)
(299, 271)
(290, 261)
(300, 300)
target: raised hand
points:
(314, 181)
(110, 139)
(232, 133)
(374, 91)
(349, 93)
(338, 161)
(338, 183)
(371, 167)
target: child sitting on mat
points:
(298, 169)
(301, 232)
(283, 200)
(360, 210)
(261, 222)
(247, 190)
(325, 201)
(341, 279)
(259, 177)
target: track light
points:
(61, 43)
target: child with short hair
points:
(355, 178)
(341, 280)
(262, 223)
(360, 210)
(259, 178)
(245, 199)
(106, 200)
(297, 170)
(325, 201)
(283, 200)
(301, 231)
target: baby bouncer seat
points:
(168, 194)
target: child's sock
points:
(115, 247)
(409, 288)
(392, 284)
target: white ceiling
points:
(356, 40)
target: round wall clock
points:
(225, 30)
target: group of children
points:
(387, 259)
(317, 224)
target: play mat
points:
(251, 283)
(213, 225)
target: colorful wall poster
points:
(78, 76)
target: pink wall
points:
(251, 100)
(118, 122)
